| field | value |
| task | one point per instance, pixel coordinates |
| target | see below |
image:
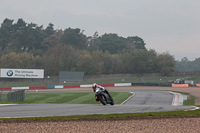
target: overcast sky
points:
(172, 25)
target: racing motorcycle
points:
(103, 96)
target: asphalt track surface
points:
(142, 101)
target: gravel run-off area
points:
(188, 124)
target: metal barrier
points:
(151, 84)
(17, 96)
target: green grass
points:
(72, 97)
(68, 97)
(88, 98)
(80, 98)
(190, 99)
(105, 80)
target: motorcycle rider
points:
(94, 86)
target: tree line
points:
(27, 45)
(188, 66)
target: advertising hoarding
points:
(21, 73)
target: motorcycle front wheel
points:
(102, 99)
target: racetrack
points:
(142, 101)
(128, 125)
(194, 91)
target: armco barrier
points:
(151, 84)
(6, 88)
(50, 87)
(144, 84)
(62, 86)
(58, 86)
(122, 84)
(71, 86)
(20, 88)
(85, 86)
(107, 85)
(37, 87)
(90, 85)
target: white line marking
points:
(195, 108)
(129, 97)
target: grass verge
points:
(107, 116)
(116, 95)
(190, 99)
(70, 97)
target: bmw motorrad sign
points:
(22, 73)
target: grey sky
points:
(172, 25)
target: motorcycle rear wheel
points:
(112, 102)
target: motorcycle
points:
(103, 96)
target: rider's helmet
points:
(94, 85)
